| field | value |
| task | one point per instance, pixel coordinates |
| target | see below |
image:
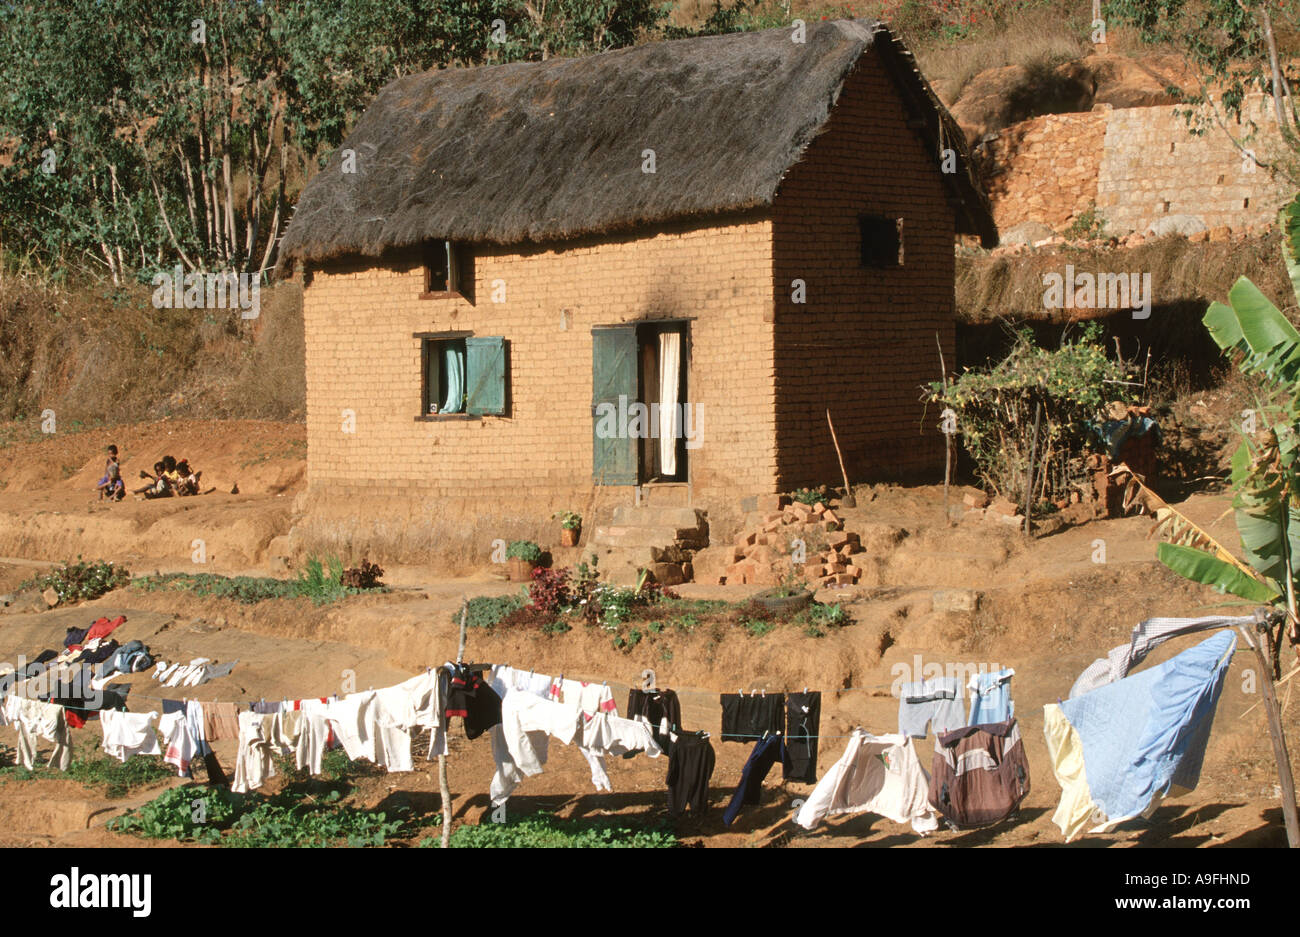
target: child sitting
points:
(189, 479)
(111, 485)
(158, 486)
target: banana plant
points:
(1266, 499)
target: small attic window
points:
(882, 241)
(446, 269)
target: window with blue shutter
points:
(462, 376)
(486, 366)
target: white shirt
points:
(876, 774)
(253, 763)
(179, 744)
(127, 734)
(519, 743)
(603, 734)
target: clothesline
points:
(1095, 756)
(1121, 653)
(680, 692)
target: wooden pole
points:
(1263, 654)
(1029, 472)
(848, 500)
(947, 437)
(444, 788)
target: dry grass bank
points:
(99, 354)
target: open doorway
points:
(662, 366)
(639, 372)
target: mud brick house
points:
(738, 232)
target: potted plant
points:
(789, 597)
(570, 527)
(522, 557)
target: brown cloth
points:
(979, 775)
(220, 721)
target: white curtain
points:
(670, 364)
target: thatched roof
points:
(549, 150)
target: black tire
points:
(783, 604)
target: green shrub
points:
(524, 550)
(118, 778)
(817, 619)
(546, 831)
(217, 817)
(486, 611)
(320, 584)
(628, 641)
(277, 823)
(810, 496)
(317, 583)
(247, 590)
(995, 410)
(79, 581)
(1089, 225)
(184, 813)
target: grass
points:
(214, 369)
(116, 778)
(320, 581)
(546, 831)
(632, 626)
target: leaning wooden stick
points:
(444, 788)
(848, 500)
(1029, 472)
(1262, 646)
(947, 437)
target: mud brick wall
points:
(865, 340)
(1045, 169)
(361, 356)
(1153, 167)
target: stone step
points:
(644, 555)
(628, 515)
(624, 536)
(622, 572)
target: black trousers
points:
(803, 713)
(750, 718)
(690, 766)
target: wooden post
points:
(444, 788)
(1029, 472)
(947, 437)
(1264, 655)
(848, 500)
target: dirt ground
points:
(1047, 608)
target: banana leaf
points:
(1255, 328)
(1201, 567)
(1288, 220)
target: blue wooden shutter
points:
(613, 375)
(485, 366)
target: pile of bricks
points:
(760, 555)
(978, 506)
